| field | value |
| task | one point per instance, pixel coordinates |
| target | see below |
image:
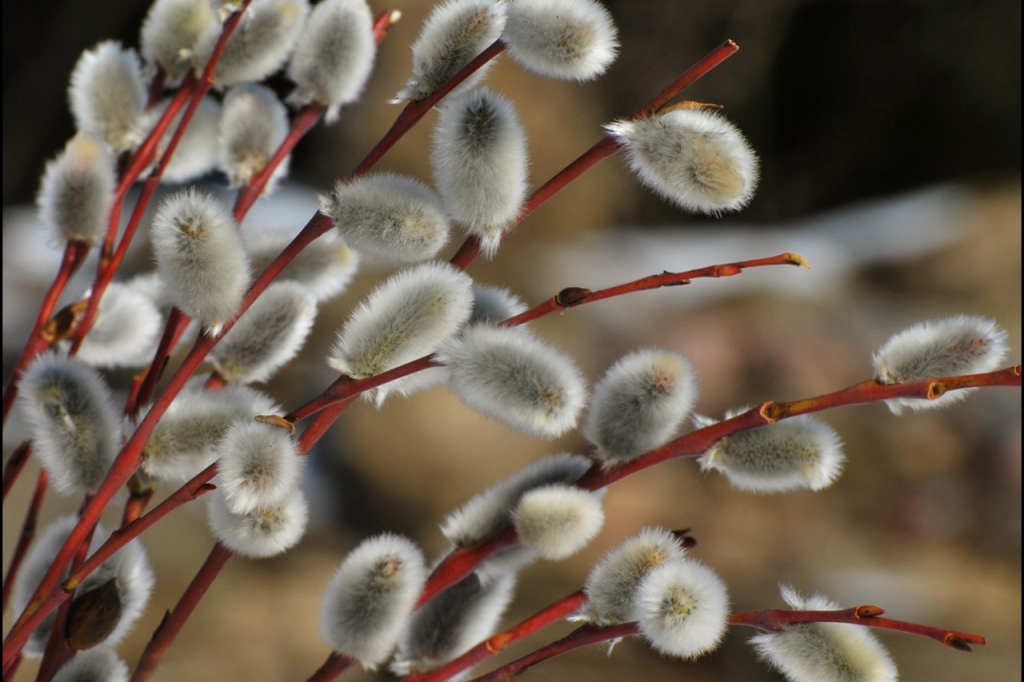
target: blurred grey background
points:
(889, 137)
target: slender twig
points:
(28, 532)
(562, 608)
(177, 322)
(345, 388)
(15, 463)
(175, 620)
(74, 255)
(335, 665)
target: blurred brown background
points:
(913, 107)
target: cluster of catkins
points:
(205, 264)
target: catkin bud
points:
(824, 652)
(453, 622)
(264, 531)
(108, 602)
(334, 59)
(613, 582)
(125, 581)
(454, 33)
(95, 665)
(196, 153)
(253, 124)
(556, 521)
(963, 344)
(125, 331)
(682, 608)
(800, 452)
(187, 438)
(77, 191)
(480, 163)
(406, 317)
(200, 256)
(494, 304)
(324, 267)
(485, 514)
(388, 215)
(512, 376)
(108, 94)
(563, 39)
(72, 421)
(370, 597)
(639, 404)
(170, 32)
(267, 336)
(694, 158)
(259, 465)
(259, 45)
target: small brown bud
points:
(93, 616)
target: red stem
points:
(578, 638)
(15, 463)
(28, 532)
(335, 665)
(175, 620)
(463, 560)
(776, 620)
(74, 255)
(562, 608)
(177, 322)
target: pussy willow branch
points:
(771, 620)
(74, 255)
(335, 665)
(15, 463)
(149, 186)
(462, 561)
(345, 387)
(175, 620)
(28, 532)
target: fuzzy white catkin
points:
(613, 582)
(324, 267)
(72, 421)
(259, 45)
(187, 438)
(370, 597)
(824, 652)
(390, 216)
(556, 521)
(196, 153)
(169, 34)
(125, 331)
(200, 256)
(480, 163)
(454, 33)
(963, 344)
(267, 336)
(108, 94)
(453, 621)
(253, 124)
(691, 157)
(95, 665)
(405, 318)
(263, 532)
(259, 465)
(639, 404)
(77, 191)
(682, 608)
(333, 61)
(515, 378)
(799, 452)
(563, 39)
